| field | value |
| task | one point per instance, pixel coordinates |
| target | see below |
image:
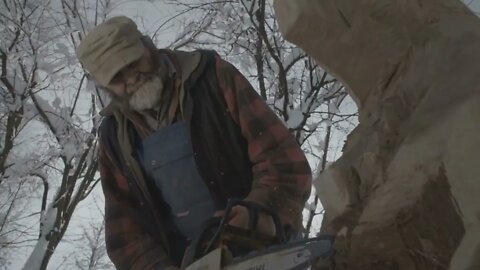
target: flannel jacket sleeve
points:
(129, 246)
(281, 174)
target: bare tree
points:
(13, 232)
(95, 258)
(36, 56)
(246, 33)
(15, 85)
(91, 252)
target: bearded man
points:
(184, 133)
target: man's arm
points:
(281, 174)
(129, 246)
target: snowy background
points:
(51, 203)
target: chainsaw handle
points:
(218, 225)
(254, 209)
(194, 250)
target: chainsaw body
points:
(292, 256)
(220, 246)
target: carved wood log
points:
(406, 192)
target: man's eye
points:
(116, 79)
(133, 64)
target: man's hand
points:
(239, 218)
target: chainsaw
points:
(220, 246)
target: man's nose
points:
(130, 76)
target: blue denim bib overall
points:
(169, 160)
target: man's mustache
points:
(142, 79)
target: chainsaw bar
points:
(291, 256)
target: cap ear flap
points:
(148, 42)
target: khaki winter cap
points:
(109, 47)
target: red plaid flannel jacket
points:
(281, 175)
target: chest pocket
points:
(169, 160)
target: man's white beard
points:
(148, 95)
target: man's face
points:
(138, 83)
